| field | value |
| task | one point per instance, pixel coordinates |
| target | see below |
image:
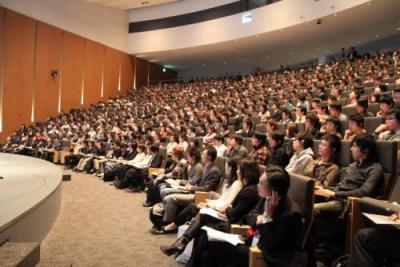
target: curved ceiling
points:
(130, 4)
(352, 27)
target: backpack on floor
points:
(157, 215)
(121, 183)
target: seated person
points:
(363, 177)
(243, 203)
(278, 155)
(286, 116)
(376, 246)
(247, 129)
(336, 111)
(279, 223)
(386, 105)
(300, 114)
(313, 125)
(324, 169)
(209, 182)
(174, 171)
(235, 147)
(332, 126)
(219, 145)
(230, 189)
(362, 107)
(390, 131)
(260, 151)
(303, 153)
(356, 126)
(211, 133)
(137, 174)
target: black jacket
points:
(243, 203)
(280, 238)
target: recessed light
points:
(398, 29)
(257, 35)
(377, 36)
(335, 15)
(358, 42)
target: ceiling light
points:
(398, 29)
(377, 36)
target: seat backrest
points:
(373, 108)
(387, 156)
(261, 127)
(220, 163)
(349, 110)
(281, 127)
(256, 120)
(301, 190)
(315, 148)
(344, 125)
(247, 143)
(301, 126)
(344, 158)
(163, 153)
(371, 123)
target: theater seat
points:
(261, 127)
(373, 108)
(302, 192)
(371, 123)
(387, 156)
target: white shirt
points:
(227, 196)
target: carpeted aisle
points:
(99, 225)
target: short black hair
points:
(396, 113)
(363, 102)
(260, 137)
(335, 121)
(212, 153)
(334, 144)
(386, 100)
(194, 153)
(250, 171)
(238, 138)
(337, 106)
(278, 179)
(367, 145)
(306, 138)
(278, 137)
(219, 138)
(357, 118)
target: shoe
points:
(176, 248)
(162, 231)
(132, 190)
(147, 204)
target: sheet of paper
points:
(381, 219)
(211, 212)
(214, 235)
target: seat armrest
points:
(239, 229)
(156, 171)
(200, 196)
(256, 258)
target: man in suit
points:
(209, 182)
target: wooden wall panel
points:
(48, 52)
(71, 71)
(111, 72)
(126, 73)
(19, 38)
(2, 16)
(141, 72)
(93, 72)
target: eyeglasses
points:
(261, 185)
